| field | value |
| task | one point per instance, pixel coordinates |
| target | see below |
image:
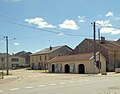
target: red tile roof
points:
(78, 57)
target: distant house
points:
(39, 60)
(109, 49)
(2, 59)
(25, 55)
(79, 63)
(13, 61)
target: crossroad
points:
(29, 82)
(40, 86)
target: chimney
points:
(50, 47)
(102, 40)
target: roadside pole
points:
(99, 49)
(94, 47)
(7, 67)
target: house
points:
(39, 60)
(13, 61)
(79, 63)
(109, 49)
(25, 55)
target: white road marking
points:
(41, 85)
(1, 90)
(62, 83)
(79, 81)
(14, 89)
(29, 87)
(52, 84)
(86, 80)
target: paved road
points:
(31, 82)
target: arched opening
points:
(53, 68)
(67, 68)
(81, 69)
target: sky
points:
(32, 25)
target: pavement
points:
(9, 78)
(16, 77)
(33, 81)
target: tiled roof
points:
(109, 45)
(78, 57)
(2, 55)
(47, 50)
(118, 41)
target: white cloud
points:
(40, 23)
(113, 31)
(69, 24)
(109, 14)
(61, 34)
(81, 18)
(16, 44)
(103, 23)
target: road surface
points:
(34, 82)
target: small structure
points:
(39, 60)
(80, 63)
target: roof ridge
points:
(114, 43)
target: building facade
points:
(39, 60)
(80, 63)
(25, 55)
(109, 49)
(13, 62)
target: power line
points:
(29, 26)
(46, 30)
(51, 31)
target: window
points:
(45, 57)
(39, 64)
(40, 58)
(15, 59)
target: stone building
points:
(39, 60)
(109, 49)
(79, 63)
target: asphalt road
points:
(32, 82)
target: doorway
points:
(81, 69)
(67, 68)
(53, 67)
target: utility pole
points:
(7, 66)
(2, 68)
(94, 47)
(99, 49)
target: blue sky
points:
(64, 17)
